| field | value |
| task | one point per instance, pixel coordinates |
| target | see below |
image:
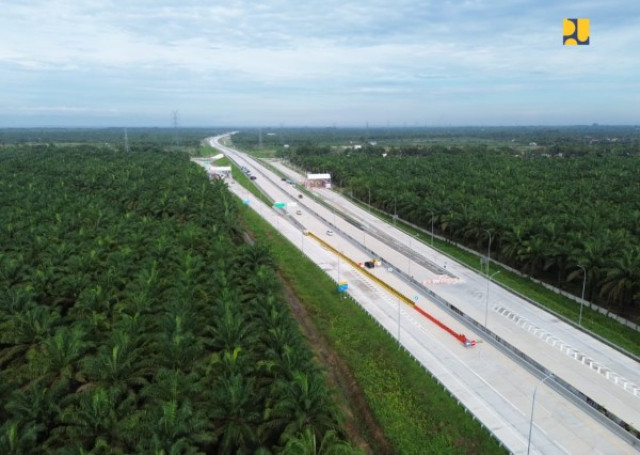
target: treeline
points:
(545, 215)
(601, 137)
(135, 319)
(137, 137)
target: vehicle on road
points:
(298, 212)
(329, 232)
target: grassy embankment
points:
(594, 321)
(239, 177)
(417, 414)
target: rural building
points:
(318, 181)
(219, 172)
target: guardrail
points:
(599, 412)
(607, 418)
(459, 336)
(551, 288)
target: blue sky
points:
(316, 63)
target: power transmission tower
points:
(126, 141)
(174, 117)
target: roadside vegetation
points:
(414, 410)
(555, 218)
(134, 318)
(597, 323)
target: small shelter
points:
(318, 181)
(219, 172)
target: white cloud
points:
(67, 109)
(295, 56)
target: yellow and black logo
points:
(575, 32)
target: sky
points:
(71, 63)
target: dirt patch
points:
(360, 424)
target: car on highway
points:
(329, 232)
(298, 212)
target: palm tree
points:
(259, 285)
(18, 440)
(177, 346)
(93, 415)
(99, 419)
(513, 242)
(307, 444)
(120, 363)
(174, 385)
(174, 427)
(231, 328)
(591, 254)
(235, 415)
(622, 278)
(230, 363)
(13, 271)
(58, 358)
(25, 330)
(533, 255)
(251, 257)
(37, 404)
(302, 403)
(281, 362)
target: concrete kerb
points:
(580, 399)
(583, 401)
(568, 295)
(415, 359)
(533, 302)
(554, 289)
(452, 310)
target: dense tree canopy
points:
(133, 319)
(546, 214)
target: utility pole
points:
(533, 403)
(126, 142)
(486, 307)
(488, 250)
(584, 283)
(174, 118)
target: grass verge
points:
(592, 320)
(239, 177)
(416, 413)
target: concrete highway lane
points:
(498, 390)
